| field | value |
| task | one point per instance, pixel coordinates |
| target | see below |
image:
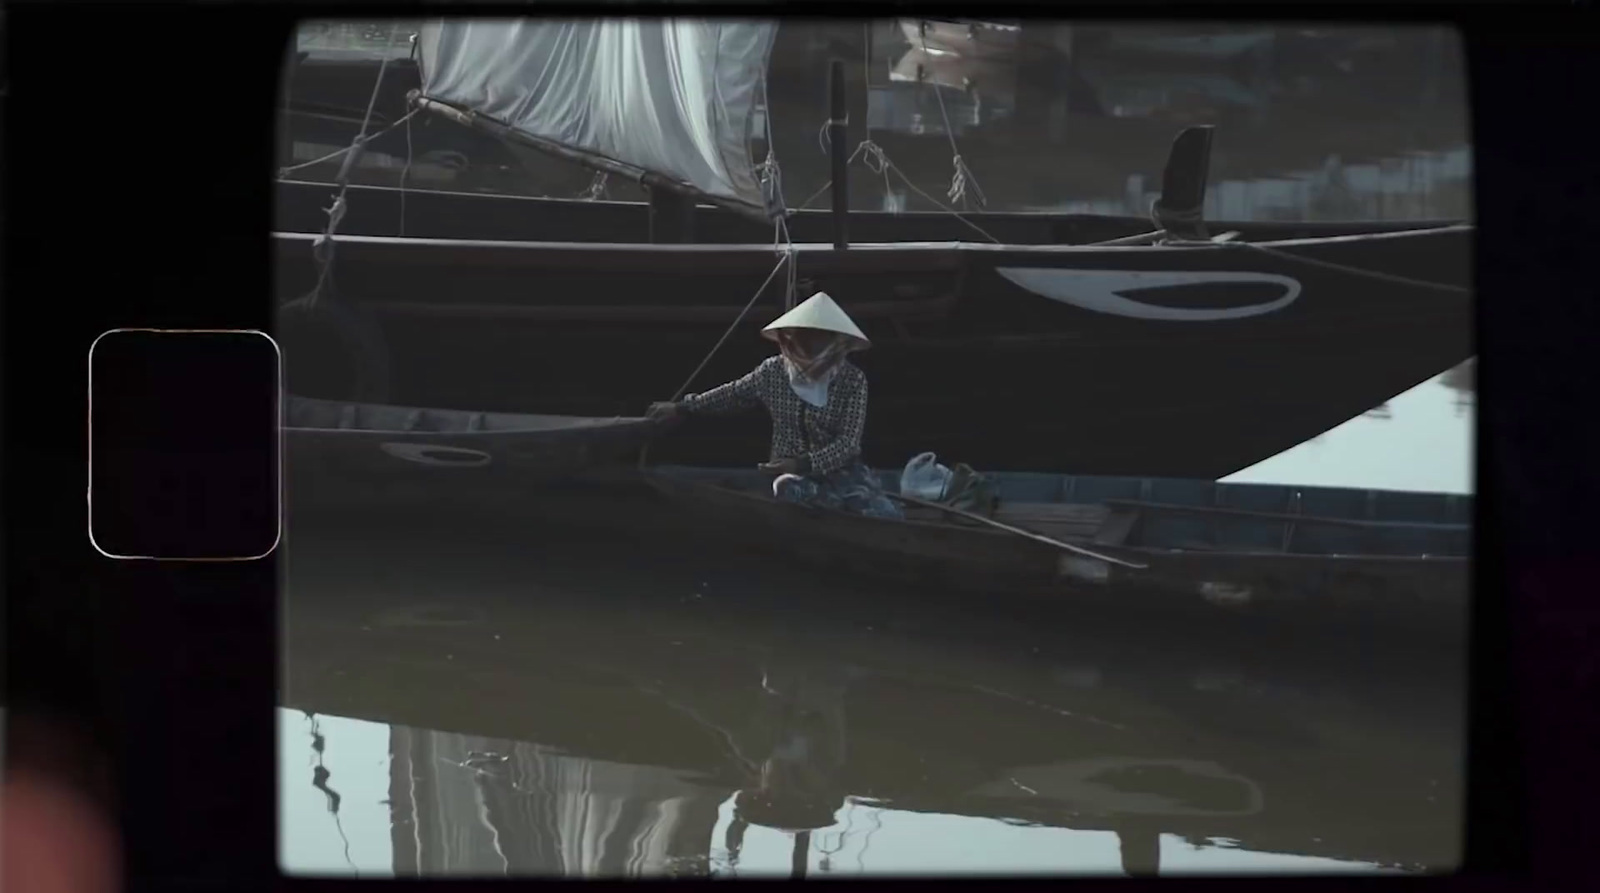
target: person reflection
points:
(800, 733)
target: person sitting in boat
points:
(818, 402)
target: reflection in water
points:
(470, 805)
(597, 719)
(522, 809)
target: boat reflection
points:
(473, 805)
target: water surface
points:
(477, 706)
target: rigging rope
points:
(783, 258)
(962, 174)
(596, 189)
(683, 388)
(1346, 268)
(338, 153)
(879, 162)
(772, 186)
(1197, 216)
(405, 172)
(322, 248)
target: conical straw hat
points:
(818, 312)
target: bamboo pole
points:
(998, 525)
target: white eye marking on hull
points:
(1100, 291)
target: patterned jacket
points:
(823, 439)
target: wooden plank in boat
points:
(1118, 526)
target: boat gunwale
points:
(1030, 215)
(675, 486)
(565, 422)
(418, 434)
(827, 249)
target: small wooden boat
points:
(360, 455)
(1328, 554)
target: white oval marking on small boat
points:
(1086, 570)
(433, 454)
(1227, 595)
(1100, 291)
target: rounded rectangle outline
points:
(89, 431)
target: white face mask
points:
(812, 392)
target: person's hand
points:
(664, 412)
(782, 466)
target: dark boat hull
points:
(1172, 361)
(1222, 566)
(362, 458)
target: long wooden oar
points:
(998, 525)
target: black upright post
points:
(838, 111)
(671, 217)
(798, 855)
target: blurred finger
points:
(53, 840)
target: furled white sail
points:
(671, 97)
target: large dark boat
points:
(1111, 345)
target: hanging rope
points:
(959, 181)
(322, 248)
(878, 162)
(962, 174)
(782, 243)
(596, 189)
(405, 172)
(772, 185)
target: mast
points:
(671, 217)
(838, 114)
